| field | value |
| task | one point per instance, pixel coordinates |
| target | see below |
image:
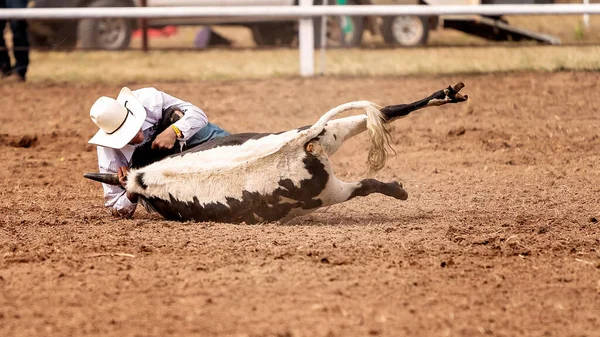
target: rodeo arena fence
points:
(305, 12)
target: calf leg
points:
(440, 97)
(368, 186)
(338, 191)
(338, 130)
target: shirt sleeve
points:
(109, 161)
(193, 120)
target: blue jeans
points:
(20, 41)
(209, 132)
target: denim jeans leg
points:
(207, 133)
(21, 46)
(4, 58)
(20, 38)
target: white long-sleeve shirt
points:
(110, 160)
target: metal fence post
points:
(586, 17)
(323, 39)
(306, 43)
(144, 26)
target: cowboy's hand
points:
(165, 140)
(122, 174)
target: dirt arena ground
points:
(500, 234)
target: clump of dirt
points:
(457, 132)
(25, 141)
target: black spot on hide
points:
(252, 207)
(321, 134)
(139, 179)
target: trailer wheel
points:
(405, 30)
(106, 33)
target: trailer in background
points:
(414, 30)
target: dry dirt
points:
(500, 234)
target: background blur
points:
(197, 49)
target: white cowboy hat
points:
(119, 120)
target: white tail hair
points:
(379, 135)
(380, 139)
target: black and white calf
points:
(262, 177)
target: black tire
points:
(274, 34)
(108, 33)
(406, 31)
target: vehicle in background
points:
(404, 30)
(115, 33)
(414, 30)
(110, 33)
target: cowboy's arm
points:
(193, 120)
(115, 197)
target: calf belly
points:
(289, 198)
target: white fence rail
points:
(302, 13)
(293, 12)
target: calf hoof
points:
(399, 191)
(448, 95)
(453, 95)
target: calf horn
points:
(107, 178)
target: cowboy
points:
(138, 128)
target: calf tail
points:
(379, 135)
(318, 127)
